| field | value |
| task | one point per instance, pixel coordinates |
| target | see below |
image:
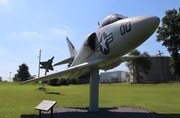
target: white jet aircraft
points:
(106, 48)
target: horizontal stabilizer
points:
(68, 60)
(128, 58)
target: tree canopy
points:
(169, 32)
(169, 35)
(22, 73)
(139, 65)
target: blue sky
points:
(26, 26)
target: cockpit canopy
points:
(111, 19)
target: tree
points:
(169, 35)
(23, 73)
(128, 76)
(140, 65)
(0, 78)
(54, 82)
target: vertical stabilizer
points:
(72, 49)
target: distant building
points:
(114, 77)
(160, 69)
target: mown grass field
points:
(163, 99)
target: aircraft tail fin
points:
(72, 49)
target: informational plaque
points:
(45, 105)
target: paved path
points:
(111, 112)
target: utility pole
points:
(10, 76)
(160, 53)
(39, 63)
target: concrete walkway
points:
(111, 112)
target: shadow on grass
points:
(155, 82)
(55, 93)
(29, 116)
(170, 115)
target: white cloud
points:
(27, 35)
(12, 6)
(60, 32)
(5, 6)
(2, 50)
(49, 34)
(4, 2)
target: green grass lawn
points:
(164, 99)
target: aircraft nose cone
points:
(148, 23)
(142, 28)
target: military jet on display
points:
(47, 65)
(105, 48)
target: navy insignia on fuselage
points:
(103, 45)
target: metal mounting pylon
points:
(94, 91)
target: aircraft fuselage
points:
(116, 39)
